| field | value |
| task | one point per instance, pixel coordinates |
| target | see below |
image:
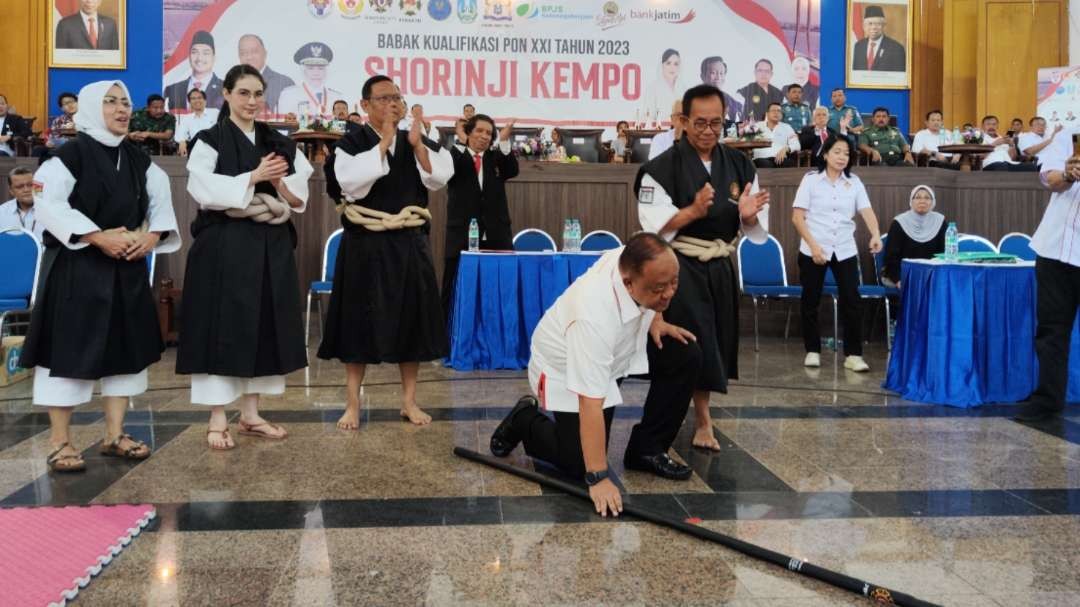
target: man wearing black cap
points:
(313, 59)
(877, 52)
(201, 56)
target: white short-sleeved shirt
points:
(1058, 235)
(661, 142)
(830, 212)
(780, 136)
(12, 218)
(189, 125)
(1029, 139)
(1000, 153)
(926, 142)
(593, 335)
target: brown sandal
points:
(250, 430)
(113, 449)
(65, 463)
(224, 436)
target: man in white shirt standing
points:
(19, 211)
(927, 141)
(783, 138)
(594, 335)
(198, 120)
(1035, 141)
(1057, 276)
(1004, 156)
(663, 141)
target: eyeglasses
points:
(116, 101)
(700, 125)
(386, 99)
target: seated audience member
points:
(839, 109)
(927, 141)
(618, 144)
(559, 152)
(796, 114)
(1004, 157)
(341, 110)
(1035, 141)
(356, 118)
(663, 141)
(152, 126)
(814, 135)
(200, 119)
(19, 211)
(915, 234)
(1016, 127)
(785, 143)
(12, 125)
(68, 104)
(885, 144)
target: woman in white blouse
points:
(825, 208)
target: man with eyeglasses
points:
(18, 213)
(385, 306)
(699, 195)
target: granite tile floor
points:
(956, 507)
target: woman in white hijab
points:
(915, 234)
(105, 207)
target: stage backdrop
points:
(564, 63)
(1059, 96)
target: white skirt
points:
(67, 392)
(217, 390)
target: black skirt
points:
(95, 317)
(707, 304)
(241, 310)
(385, 304)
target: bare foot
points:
(350, 420)
(220, 439)
(415, 415)
(704, 439)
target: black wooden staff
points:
(875, 593)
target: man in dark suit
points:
(11, 126)
(760, 94)
(88, 30)
(477, 191)
(252, 51)
(877, 52)
(201, 59)
(813, 135)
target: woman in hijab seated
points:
(105, 206)
(915, 234)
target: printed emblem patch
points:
(645, 195)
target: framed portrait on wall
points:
(879, 44)
(88, 33)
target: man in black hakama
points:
(700, 194)
(105, 207)
(385, 306)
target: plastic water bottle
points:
(952, 242)
(474, 235)
(943, 137)
(956, 136)
(568, 235)
(576, 237)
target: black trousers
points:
(673, 373)
(1023, 167)
(1058, 286)
(557, 441)
(812, 278)
(770, 163)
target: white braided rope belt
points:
(411, 216)
(703, 250)
(264, 208)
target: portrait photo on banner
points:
(879, 44)
(88, 33)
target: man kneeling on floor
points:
(595, 334)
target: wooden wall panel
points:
(1016, 38)
(23, 71)
(927, 60)
(959, 61)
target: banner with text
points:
(568, 63)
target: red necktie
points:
(824, 136)
(870, 57)
(93, 32)
(477, 162)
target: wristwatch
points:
(592, 478)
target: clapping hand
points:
(416, 133)
(751, 204)
(703, 200)
(507, 131)
(271, 168)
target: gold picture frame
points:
(70, 44)
(890, 67)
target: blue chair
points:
(970, 243)
(325, 284)
(534, 240)
(600, 240)
(1016, 243)
(21, 252)
(762, 275)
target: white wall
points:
(1074, 32)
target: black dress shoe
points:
(503, 440)
(660, 464)
(1036, 413)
